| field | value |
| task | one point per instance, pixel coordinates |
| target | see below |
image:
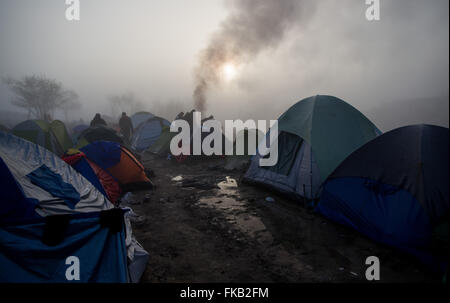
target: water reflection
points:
(235, 210)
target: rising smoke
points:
(251, 27)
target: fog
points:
(395, 71)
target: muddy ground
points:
(202, 224)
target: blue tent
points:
(139, 117)
(104, 153)
(394, 189)
(25, 257)
(49, 212)
(148, 133)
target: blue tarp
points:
(52, 182)
(13, 203)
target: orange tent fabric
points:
(129, 169)
(110, 185)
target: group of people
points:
(125, 124)
(189, 117)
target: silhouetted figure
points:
(179, 116)
(189, 117)
(126, 127)
(98, 121)
(208, 118)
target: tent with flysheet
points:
(100, 178)
(120, 163)
(314, 136)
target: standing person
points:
(98, 120)
(126, 127)
(179, 116)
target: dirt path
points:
(203, 225)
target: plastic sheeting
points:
(52, 182)
(22, 157)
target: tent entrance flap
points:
(288, 147)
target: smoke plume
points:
(251, 27)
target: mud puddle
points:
(235, 210)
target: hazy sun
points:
(229, 71)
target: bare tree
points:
(70, 103)
(39, 95)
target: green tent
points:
(315, 135)
(162, 145)
(39, 132)
(59, 130)
(332, 127)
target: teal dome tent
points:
(315, 135)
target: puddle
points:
(228, 184)
(236, 211)
(177, 178)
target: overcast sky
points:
(395, 71)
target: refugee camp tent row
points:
(315, 136)
(394, 189)
(148, 132)
(49, 212)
